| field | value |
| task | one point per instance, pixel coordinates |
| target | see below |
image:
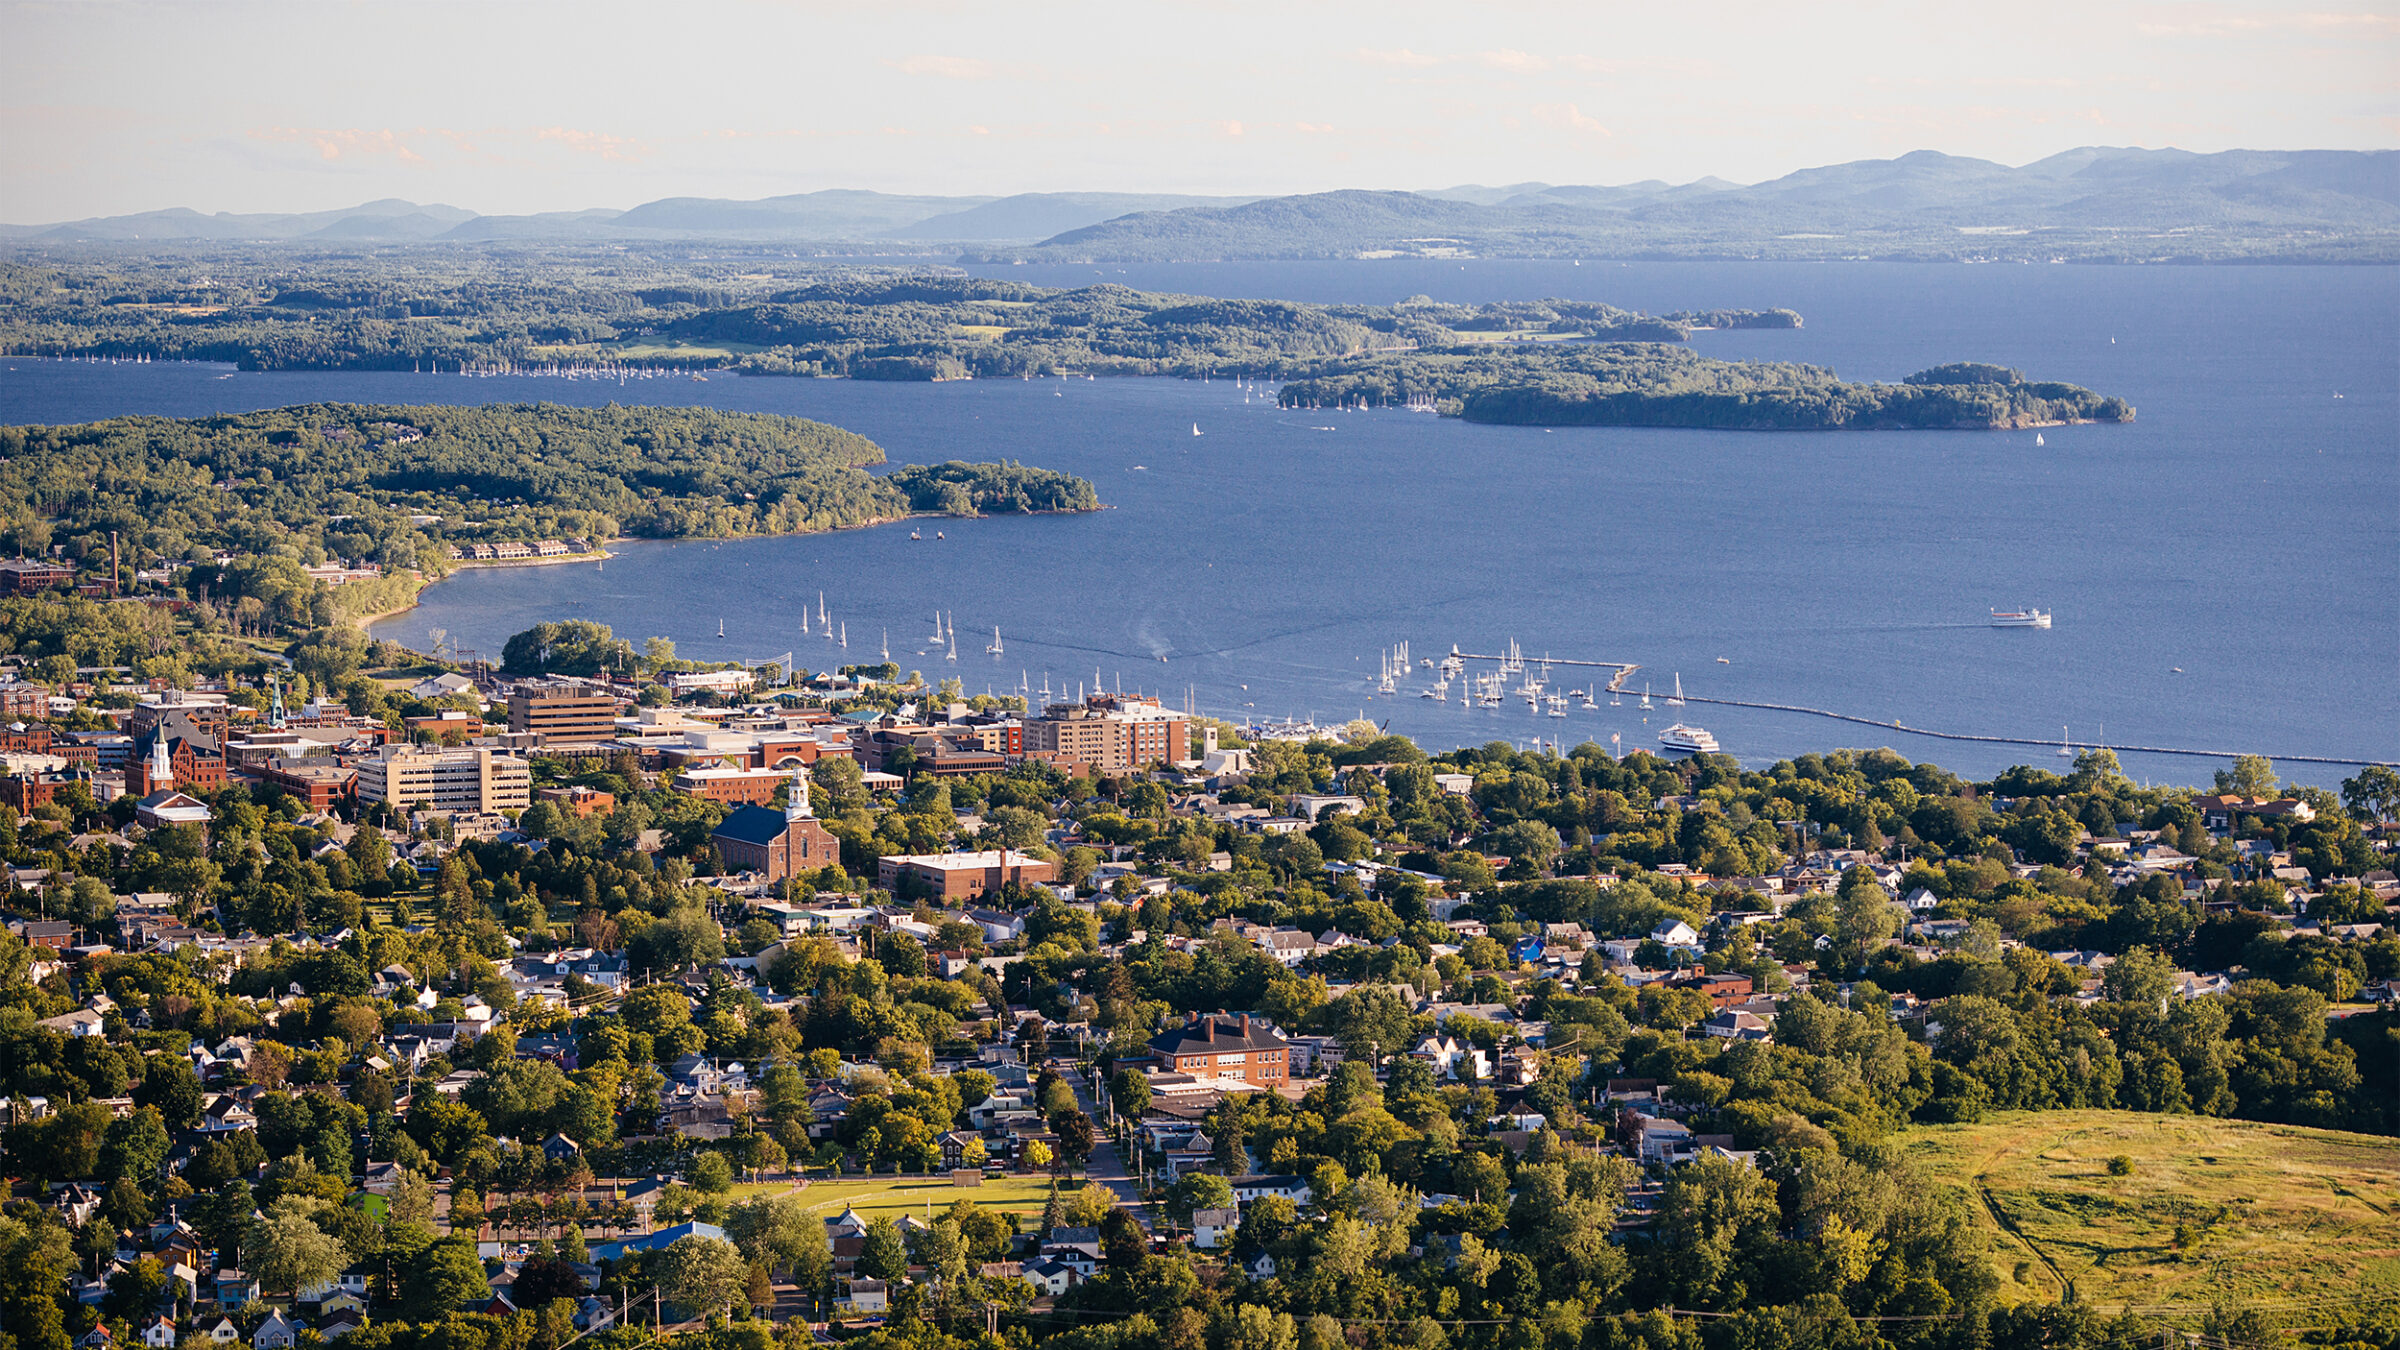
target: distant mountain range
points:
(2316, 205)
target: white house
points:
(1675, 935)
(1453, 1058)
(1213, 1228)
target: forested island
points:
(1647, 385)
(403, 486)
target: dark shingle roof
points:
(752, 825)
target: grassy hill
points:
(2212, 1209)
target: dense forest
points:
(399, 485)
(1649, 385)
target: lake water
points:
(2240, 529)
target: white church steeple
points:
(162, 770)
(798, 807)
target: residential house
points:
(1294, 1189)
(1213, 1228)
(278, 1332)
(1049, 1278)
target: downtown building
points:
(474, 778)
(1113, 733)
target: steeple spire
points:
(798, 808)
(162, 770)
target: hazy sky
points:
(256, 105)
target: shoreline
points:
(362, 622)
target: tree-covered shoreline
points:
(403, 486)
(1647, 385)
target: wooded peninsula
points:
(404, 486)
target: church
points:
(777, 845)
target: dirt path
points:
(2007, 1225)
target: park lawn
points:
(2213, 1209)
(988, 331)
(892, 1196)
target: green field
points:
(893, 1196)
(2213, 1209)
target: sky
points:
(510, 106)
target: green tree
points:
(2250, 776)
(885, 1254)
(2143, 976)
(287, 1251)
(445, 1278)
(1370, 1022)
(705, 1275)
(712, 1173)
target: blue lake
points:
(2240, 529)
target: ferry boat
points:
(1688, 739)
(2020, 618)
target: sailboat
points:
(1676, 699)
(1195, 428)
(936, 639)
(887, 644)
(1645, 695)
(845, 634)
(720, 628)
(823, 621)
(952, 654)
(2063, 751)
(994, 649)
(2037, 439)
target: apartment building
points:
(471, 778)
(1111, 733)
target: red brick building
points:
(777, 845)
(952, 877)
(1219, 1045)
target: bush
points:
(2120, 1166)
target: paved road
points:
(1107, 1164)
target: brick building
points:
(950, 877)
(27, 576)
(1219, 1045)
(777, 845)
(194, 753)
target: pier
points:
(1896, 725)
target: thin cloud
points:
(1517, 62)
(1398, 57)
(1568, 117)
(334, 144)
(615, 148)
(2233, 24)
(946, 67)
